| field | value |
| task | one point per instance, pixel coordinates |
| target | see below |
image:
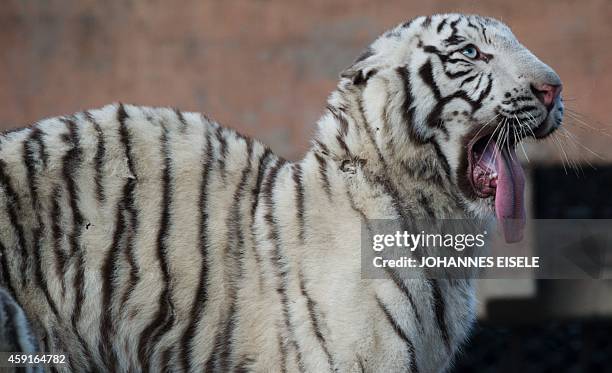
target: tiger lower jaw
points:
(495, 173)
(550, 124)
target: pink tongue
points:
(509, 203)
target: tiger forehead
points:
(456, 30)
(448, 30)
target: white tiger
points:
(143, 238)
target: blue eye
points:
(470, 52)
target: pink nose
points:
(547, 93)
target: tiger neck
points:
(348, 135)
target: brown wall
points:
(263, 67)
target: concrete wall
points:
(263, 67)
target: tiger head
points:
(465, 84)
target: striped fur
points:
(140, 238)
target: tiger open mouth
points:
(494, 171)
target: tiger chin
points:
(139, 238)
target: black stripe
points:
(299, 200)
(343, 145)
(479, 81)
(181, 119)
(486, 92)
(368, 52)
(407, 107)
(362, 215)
(222, 150)
(277, 261)
(71, 162)
(426, 74)
(361, 365)
(457, 74)
(71, 357)
(131, 217)
(165, 360)
(400, 332)
(59, 345)
(404, 214)
(439, 311)
(244, 365)
(323, 175)
(6, 272)
(427, 171)
(261, 169)
(453, 25)
(442, 158)
(124, 134)
(470, 24)
(407, 23)
(14, 205)
(109, 268)
(370, 134)
(131, 213)
(29, 159)
(219, 356)
(235, 250)
(79, 285)
(282, 349)
(314, 322)
(484, 35)
(42, 147)
(99, 158)
(461, 61)
(255, 195)
(454, 39)
(401, 285)
(426, 204)
(61, 259)
(323, 147)
(164, 317)
(441, 24)
(342, 121)
(426, 22)
(468, 79)
(201, 295)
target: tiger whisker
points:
(520, 142)
(531, 120)
(485, 125)
(488, 141)
(583, 117)
(580, 121)
(556, 141)
(507, 139)
(573, 137)
(572, 163)
(497, 148)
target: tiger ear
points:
(361, 70)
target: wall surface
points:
(263, 67)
